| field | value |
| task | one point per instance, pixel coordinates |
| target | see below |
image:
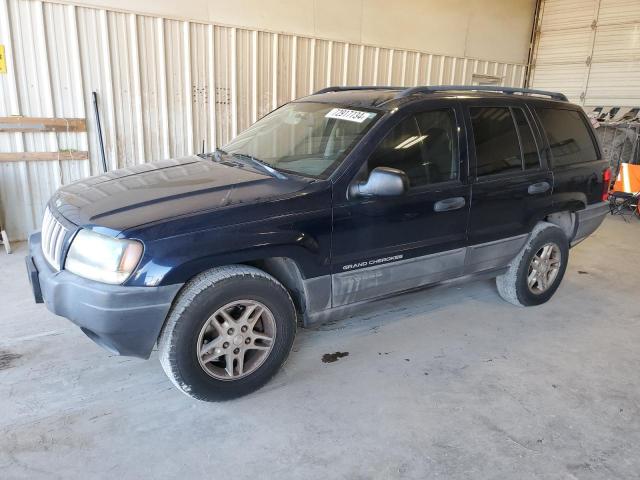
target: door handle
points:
(453, 203)
(538, 188)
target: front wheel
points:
(535, 274)
(228, 333)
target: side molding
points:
(334, 292)
(490, 255)
(379, 280)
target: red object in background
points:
(606, 184)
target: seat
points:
(440, 161)
(401, 150)
(624, 204)
(624, 198)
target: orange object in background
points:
(628, 179)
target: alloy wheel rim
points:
(236, 339)
(544, 268)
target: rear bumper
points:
(589, 220)
(124, 320)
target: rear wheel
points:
(535, 274)
(228, 333)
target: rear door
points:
(575, 157)
(510, 184)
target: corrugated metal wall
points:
(166, 86)
(590, 50)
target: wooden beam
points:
(43, 156)
(38, 125)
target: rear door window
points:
(569, 138)
(496, 141)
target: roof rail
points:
(342, 89)
(481, 88)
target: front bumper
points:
(124, 320)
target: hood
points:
(150, 192)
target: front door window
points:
(424, 146)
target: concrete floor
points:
(451, 383)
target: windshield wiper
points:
(216, 154)
(262, 165)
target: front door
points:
(383, 245)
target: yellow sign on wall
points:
(3, 60)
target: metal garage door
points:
(165, 86)
(590, 50)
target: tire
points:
(228, 292)
(513, 285)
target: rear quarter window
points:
(569, 137)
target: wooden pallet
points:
(19, 124)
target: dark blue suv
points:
(339, 198)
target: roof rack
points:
(370, 87)
(481, 88)
(405, 92)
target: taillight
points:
(606, 183)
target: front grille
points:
(53, 236)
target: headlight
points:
(102, 258)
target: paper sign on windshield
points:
(349, 115)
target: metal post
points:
(99, 131)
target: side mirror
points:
(382, 182)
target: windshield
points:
(309, 139)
